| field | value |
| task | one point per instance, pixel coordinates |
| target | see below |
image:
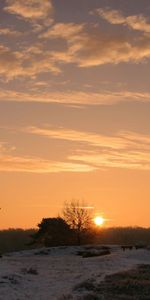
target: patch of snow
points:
(57, 270)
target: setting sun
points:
(99, 221)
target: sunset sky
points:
(74, 109)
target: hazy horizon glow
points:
(74, 109)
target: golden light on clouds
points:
(30, 9)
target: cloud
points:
(9, 162)
(95, 48)
(132, 160)
(83, 48)
(123, 140)
(9, 32)
(30, 9)
(111, 15)
(5, 148)
(68, 31)
(72, 33)
(88, 48)
(102, 48)
(74, 97)
(134, 153)
(10, 62)
(26, 63)
(90, 139)
(37, 165)
(124, 150)
(89, 152)
(136, 22)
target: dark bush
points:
(53, 232)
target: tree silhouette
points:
(78, 217)
(53, 232)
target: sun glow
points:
(99, 221)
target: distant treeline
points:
(20, 239)
(15, 239)
(124, 235)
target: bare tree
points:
(77, 216)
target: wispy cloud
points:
(9, 162)
(104, 48)
(87, 48)
(9, 62)
(38, 165)
(135, 154)
(9, 32)
(123, 150)
(72, 97)
(5, 148)
(91, 139)
(68, 31)
(136, 22)
(32, 10)
(83, 47)
(126, 160)
(122, 140)
(89, 152)
(26, 63)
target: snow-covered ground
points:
(58, 270)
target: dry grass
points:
(129, 285)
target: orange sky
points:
(74, 109)
(121, 196)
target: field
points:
(66, 273)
